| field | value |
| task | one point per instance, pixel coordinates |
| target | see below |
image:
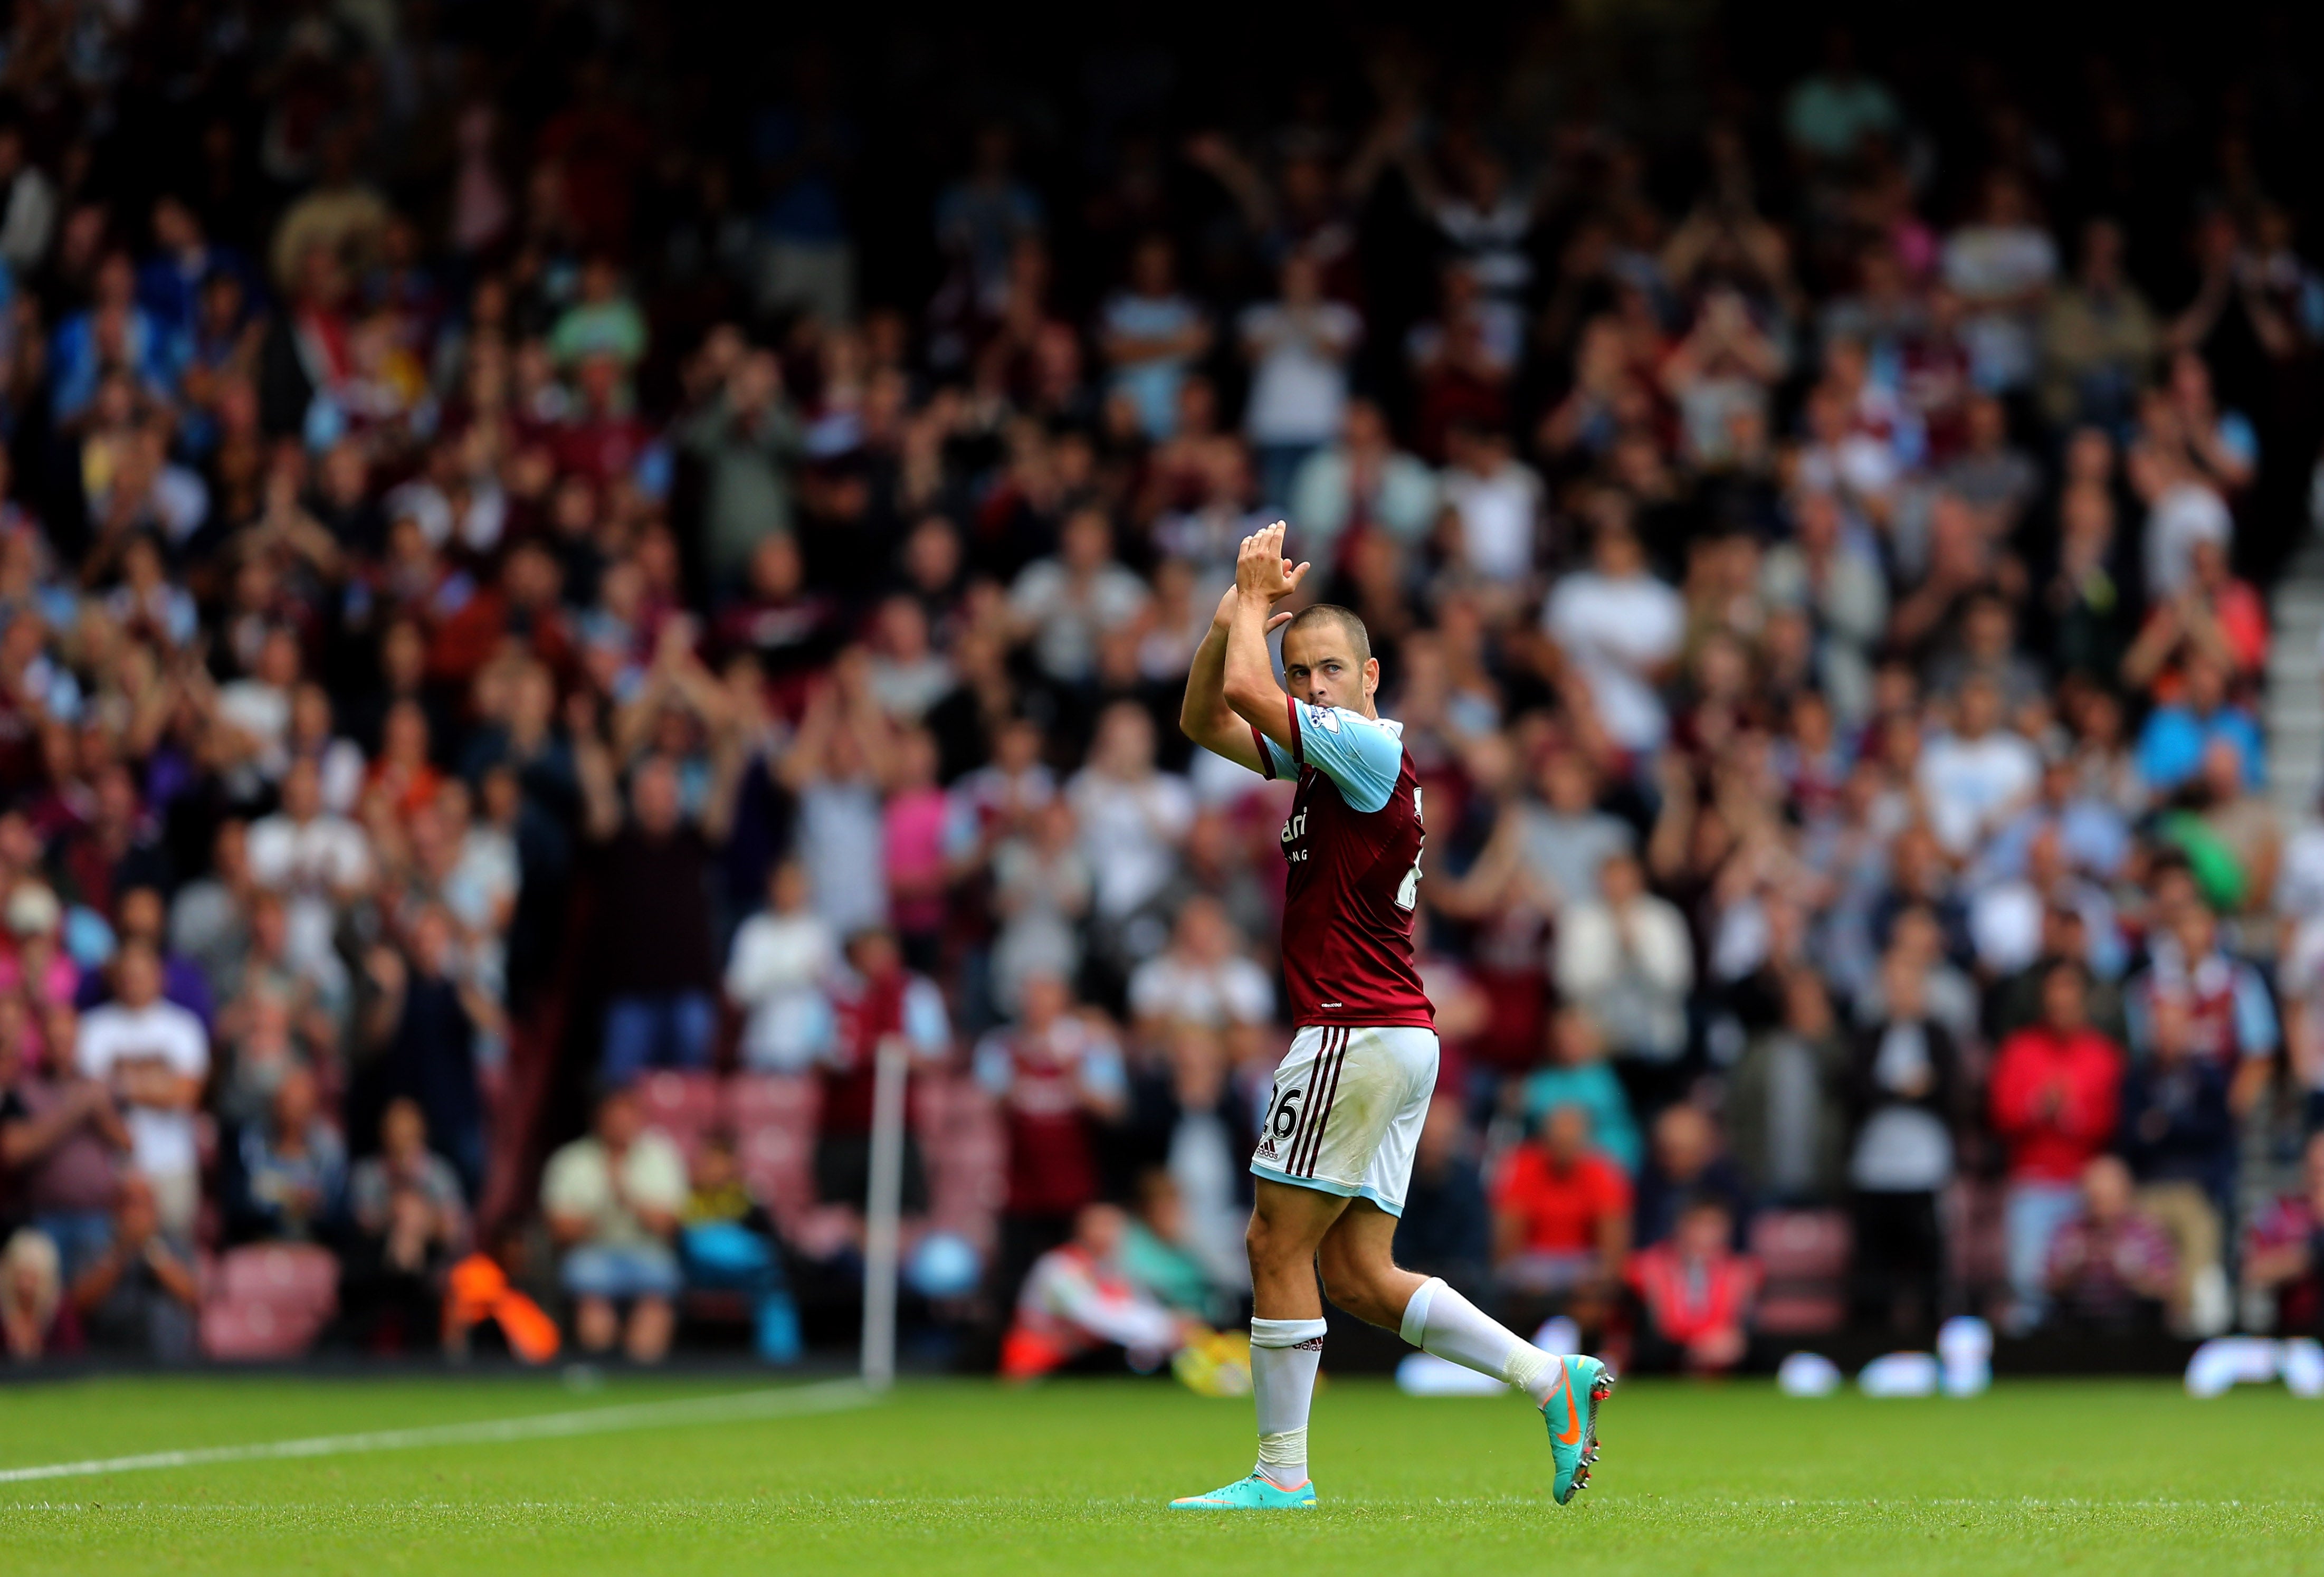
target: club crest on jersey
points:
(1324, 717)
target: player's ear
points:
(1371, 675)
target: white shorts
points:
(1346, 1111)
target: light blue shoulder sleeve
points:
(1278, 761)
(1359, 754)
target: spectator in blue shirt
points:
(170, 282)
(293, 1166)
(2171, 746)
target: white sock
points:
(1283, 1354)
(1439, 1320)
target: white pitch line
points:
(778, 1402)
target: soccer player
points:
(1335, 1152)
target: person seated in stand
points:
(726, 1240)
(36, 1319)
(292, 1171)
(2284, 1256)
(408, 1225)
(1578, 1074)
(613, 1199)
(2110, 1268)
(138, 1297)
(2179, 1140)
(1694, 1294)
(1078, 1302)
(1561, 1220)
(1686, 1157)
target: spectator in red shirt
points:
(1562, 1217)
(2111, 1266)
(1058, 1075)
(1694, 1294)
(2055, 1090)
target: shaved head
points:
(1360, 639)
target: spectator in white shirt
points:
(1625, 956)
(1363, 478)
(1298, 346)
(1203, 977)
(1133, 820)
(316, 861)
(1623, 628)
(612, 1199)
(258, 706)
(155, 1055)
(1498, 498)
(28, 207)
(1976, 777)
(775, 973)
(1063, 604)
(2002, 267)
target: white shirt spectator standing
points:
(316, 861)
(1976, 776)
(28, 207)
(835, 765)
(1498, 498)
(1625, 957)
(1152, 333)
(1202, 977)
(775, 973)
(2001, 267)
(1363, 478)
(1040, 891)
(1622, 627)
(1062, 605)
(155, 1055)
(1132, 819)
(1298, 346)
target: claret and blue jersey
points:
(1352, 845)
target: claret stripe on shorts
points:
(1307, 1122)
(1320, 1096)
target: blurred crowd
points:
(543, 628)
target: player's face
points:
(1320, 668)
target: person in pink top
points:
(2056, 1093)
(914, 826)
(34, 962)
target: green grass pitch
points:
(944, 1477)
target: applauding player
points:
(1335, 1152)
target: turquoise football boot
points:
(1573, 1426)
(1255, 1493)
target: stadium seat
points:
(686, 1106)
(966, 1152)
(1979, 1251)
(268, 1301)
(774, 1117)
(1804, 1255)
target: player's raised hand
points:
(1260, 566)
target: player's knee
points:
(1350, 1280)
(1263, 1240)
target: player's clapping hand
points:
(1260, 566)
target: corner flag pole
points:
(883, 1207)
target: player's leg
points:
(1288, 1223)
(1360, 1274)
(1294, 1204)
